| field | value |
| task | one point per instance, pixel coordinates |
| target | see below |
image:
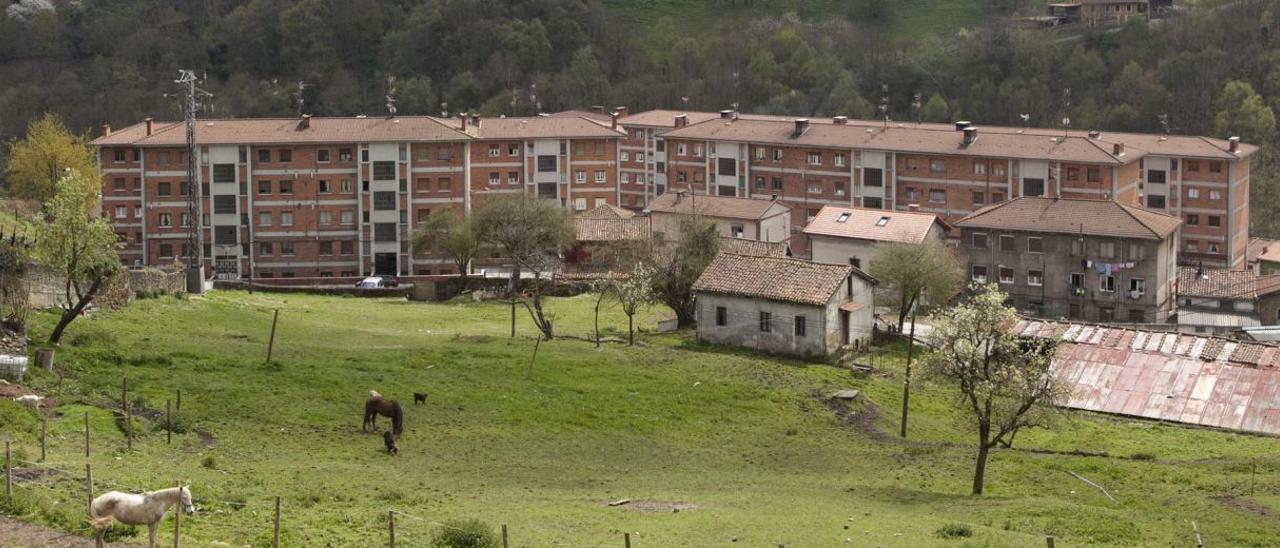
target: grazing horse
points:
(375, 405)
(145, 509)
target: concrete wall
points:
(837, 250)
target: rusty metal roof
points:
(1192, 379)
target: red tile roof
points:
(607, 211)
(873, 224)
(612, 230)
(288, 130)
(714, 206)
(536, 127)
(772, 278)
(1072, 216)
(1261, 249)
(756, 248)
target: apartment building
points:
(947, 169)
(1092, 260)
(330, 197)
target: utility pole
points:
(195, 249)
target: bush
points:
(1143, 456)
(466, 533)
(17, 418)
(954, 530)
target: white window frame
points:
(815, 158)
(1013, 274)
(1103, 283)
(1035, 281)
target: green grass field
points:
(740, 437)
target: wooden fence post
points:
(272, 342)
(391, 525)
(504, 536)
(60, 375)
(88, 485)
(8, 469)
(168, 422)
(128, 416)
(1048, 541)
(177, 518)
(44, 433)
(86, 434)
(178, 406)
(626, 539)
(275, 543)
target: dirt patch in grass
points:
(9, 390)
(861, 416)
(21, 533)
(656, 506)
(30, 474)
(1240, 503)
(206, 437)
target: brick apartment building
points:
(326, 197)
(949, 170)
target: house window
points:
(444, 184)
(815, 158)
(493, 177)
(166, 250)
(345, 185)
(1193, 219)
(682, 176)
(766, 320)
(997, 197)
(1033, 187)
(494, 151)
(1006, 275)
(264, 155)
(815, 188)
(322, 155)
(1137, 252)
(224, 203)
(760, 152)
(1193, 193)
(625, 156)
(912, 195)
(1035, 244)
(1215, 195)
(873, 202)
(286, 248)
(326, 247)
(286, 155)
(759, 182)
(1077, 280)
(937, 196)
(599, 176)
(164, 189)
(326, 217)
(580, 176)
(1107, 249)
(423, 215)
(1137, 315)
(286, 218)
(347, 217)
(979, 274)
(697, 151)
(264, 187)
(777, 183)
(1157, 176)
(1035, 277)
(872, 177)
(119, 184)
(384, 232)
(323, 187)
(264, 218)
(118, 156)
(1155, 201)
(839, 159)
(800, 326)
(1215, 220)
(344, 155)
(1073, 174)
(384, 171)
(1107, 283)
(1215, 167)
(979, 197)
(348, 247)
(185, 220)
(777, 155)
(1008, 243)
(513, 150)
(1193, 165)
(165, 220)
(979, 167)
(722, 316)
(513, 177)
(580, 204)
(681, 149)
(286, 187)
(264, 248)
(837, 187)
(122, 212)
(384, 201)
(1213, 248)
(979, 240)
(1137, 286)
(1192, 246)
(736, 230)
(444, 153)
(937, 166)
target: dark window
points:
(873, 203)
(348, 247)
(722, 316)
(728, 166)
(872, 177)
(384, 232)
(1008, 243)
(979, 240)
(264, 187)
(800, 327)
(546, 163)
(224, 204)
(166, 250)
(1033, 187)
(777, 183)
(1215, 220)
(1155, 202)
(164, 189)
(322, 155)
(766, 319)
(323, 187)
(224, 173)
(1193, 219)
(979, 197)
(264, 155)
(1035, 245)
(326, 248)
(286, 187)
(286, 155)
(384, 201)
(1094, 174)
(224, 235)
(1156, 176)
(384, 171)
(1137, 315)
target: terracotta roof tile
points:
(288, 130)
(1216, 283)
(715, 206)
(536, 127)
(665, 118)
(607, 211)
(872, 224)
(772, 278)
(1071, 216)
(612, 230)
(754, 248)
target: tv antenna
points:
(916, 106)
(1066, 111)
(297, 95)
(1026, 120)
(1164, 122)
(444, 109)
(195, 251)
(391, 96)
(884, 104)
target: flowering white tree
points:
(633, 292)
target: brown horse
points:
(375, 405)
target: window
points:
(998, 170)
(185, 220)
(122, 212)
(286, 248)
(872, 176)
(839, 159)
(873, 202)
(184, 188)
(224, 235)
(347, 217)
(1215, 167)
(119, 184)
(736, 230)
(722, 316)
(1008, 243)
(681, 176)
(165, 220)
(1137, 286)
(1035, 244)
(766, 319)
(1137, 252)
(384, 171)
(546, 163)
(815, 158)
(384, 201)
(580, 204)
(997, 197)
(1073, 174)
(286, 218)
(1157, 176)
(979, 274)
(1107, 249)
(494, 151)
(979, 240)
(1193, 193)
(937, 196)
(493, 177)
(513, 177)
(979, 167)
(1107, 283)
(800, 326)
(1033, 187)
(1006, 275)
(777, 183)
(286, 187)
(1215, 220)
(166, 250)
(979, 197)
(384, 232)
(264, 218)
(759, 182)
(1138, 315)
(697, 151)
(681, 149)
(322, 155)
(423, 215)
(937, 166)
(1192, 246)
(1155, 201)
(348, 247)
(882, 221)
(286, 155)
(344, 155)
(224, 203)
(625, 156)
(814, 188)
(837, 187)
(759, 152)
(1213, 248)
(1215, 195)
(777, 155)
(599, 176)
(513, 150)
(326, 217)
(117, 155)
(345, 185)
(1193, 219)
(164, 189)
(912, 195)
(1035, 277)
(264, 155)
(580, 175)
(1077, 280)
(1193, 165)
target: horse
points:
(145, 509)
(375, 405)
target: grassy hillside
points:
(744, 439)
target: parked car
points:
(375, 282)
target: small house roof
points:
(1072, 216)
(873, 224)
(774, 278)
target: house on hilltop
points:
(784, 305)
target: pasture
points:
(740, 443)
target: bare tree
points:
(920, 275)
(532, 233)
(1005, 381)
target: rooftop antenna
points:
(195, 251)
(884, 104)
(297, 95)
(391, 96)
(1026, 121)
(444, 109)
(916, 106)
(1066, 110)
(1164, 122)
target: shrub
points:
(954, 530)
(465, 533)
(17, 418)
(209, 462)
(1143, 456)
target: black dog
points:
(390, 441)
(419, 397)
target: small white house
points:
(784, 305)
(747, 218)
(849, 235)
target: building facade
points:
(846, 235)
(760, 220)
(1090, 260)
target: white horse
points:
(145, 509)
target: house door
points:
(844, 327)
(384, 264)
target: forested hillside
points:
(1211, 71)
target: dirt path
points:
(14, 533)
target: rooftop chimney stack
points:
(970, 135)
(475, 120)
(106, 129)
(303, 123)
(622, 111)
(913, 207)
(613, 120)
(726, 113)
(682, 120)
(1117, 149)
(840, 120)
(963, 124)
(462, 117)
(149, 122)
(1095, 134)
(597, 109)
(802, 125)
(1233, 145)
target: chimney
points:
(963, 124)
(462, 117)
(1117, 149)
(1233, 145)
(840, 120)
(622, 111)
(970, 135)
(106, 129)
(150, 126)
(915, 208)
(597, 109)
(802, 125)
(613, 120)
(304, 123)
(726, 113)
(475, 120)
(1095, 134)
(682, 120)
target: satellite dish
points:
(1066, 121)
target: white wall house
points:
(749, 218)
(846, 235)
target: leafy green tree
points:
(39, 161)
(588, 81)
(1242, 112)
(935, 109)
(445, 234)
(532, 234)
(415, 96)
(679, 263)
(1005, 382)
(78, 244)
